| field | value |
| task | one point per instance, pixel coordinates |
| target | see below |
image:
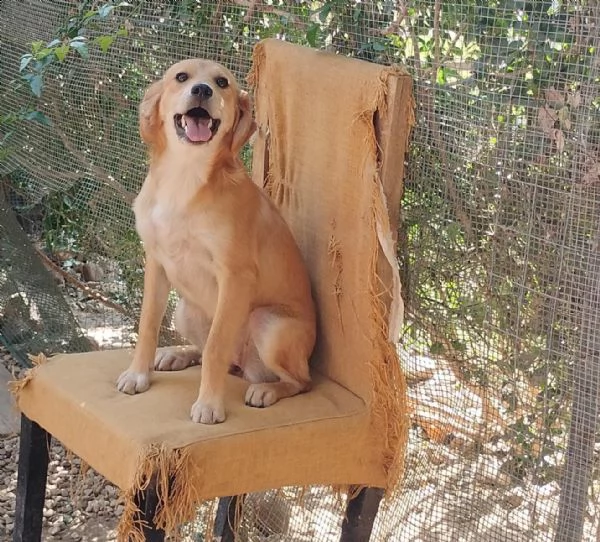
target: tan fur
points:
(213, 235)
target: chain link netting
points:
(498, 247)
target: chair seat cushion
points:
(321, 437)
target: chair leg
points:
(360, 515)
(147, 503)
(225, 522)
(31, 481)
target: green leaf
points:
(441, 76)
(73, 28)
(122, 32)
(25, 60)
(453, 230)
(459, 346)
(105, 10)
(105, 42)
(53, 43)
(62, 51)
(36, 46)
(36, 83)
(43, 53)
(38, 116)
(81, 48)
(324, 12)
(378, 46)
(41, 64)
(436, 349)
(311, 35)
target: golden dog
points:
(214, 236)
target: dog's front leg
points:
(231, 315)
(136, 379)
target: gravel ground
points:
(84, 511)
(78, 507)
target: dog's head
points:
(197, 104)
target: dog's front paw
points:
(261, 395)
(132, 382)
(208, 413)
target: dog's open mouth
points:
(197, 126)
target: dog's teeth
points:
(210, 124)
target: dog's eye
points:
(222, 82)
(181, 77)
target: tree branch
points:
(79, 285)
(100, 173)
(251, 5)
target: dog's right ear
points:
(150, 122)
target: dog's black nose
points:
(202, 90)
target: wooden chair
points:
(330, 151)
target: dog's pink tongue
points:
(197, 129)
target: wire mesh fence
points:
(498, 246)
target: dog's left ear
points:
(245, 125)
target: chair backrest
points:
(330, 149)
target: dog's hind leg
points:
(193, 324)
(284, 345)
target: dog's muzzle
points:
(196, 125)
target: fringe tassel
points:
(16, 386)
(389, 409)
(168, 470)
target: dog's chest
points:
(179, 241)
